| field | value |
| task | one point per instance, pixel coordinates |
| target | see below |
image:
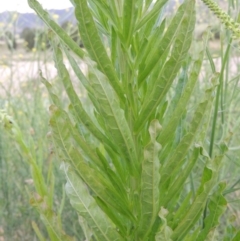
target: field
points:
(34, 197)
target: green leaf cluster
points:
(129, 152)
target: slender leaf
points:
(171, 126)
(151, 14)
(67, 40)
(94, 45)
(181, 150)
(177, 185)
(104, 7)
(217, 205)
(95, 178)
(129, 10)
(86, 206)
(159, 49)
(171, 68)
(113, 115)
(38, 232)
(81, 113)
(150, 182)
(209, 180)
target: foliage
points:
(144, 152)
(132, 152)
(28, 167)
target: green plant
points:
(224, 17)
(27, 159)
(129, 155)
(43, 193)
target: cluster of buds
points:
(224, 17)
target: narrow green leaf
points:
(27, 152)
(54, 231)
(192, 236)
(121, 222)
(217, 206)
(164, 233)
(177, 185)
(114, 41)
(49, 219)
(158, 50)
(129, 10)
(104, 7)
(92, 176)
(94, 45)
(180, 213)
(103, 20)
(209, 180)
(150, 182)
(171, 68)
(87, 207)
(113, 115)
(81, 113)
(56, 28)
(38, 232)
(75, 66)
(151, 14)
(148, 43)
(171, 125)
(175, 160)
(86, 84)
